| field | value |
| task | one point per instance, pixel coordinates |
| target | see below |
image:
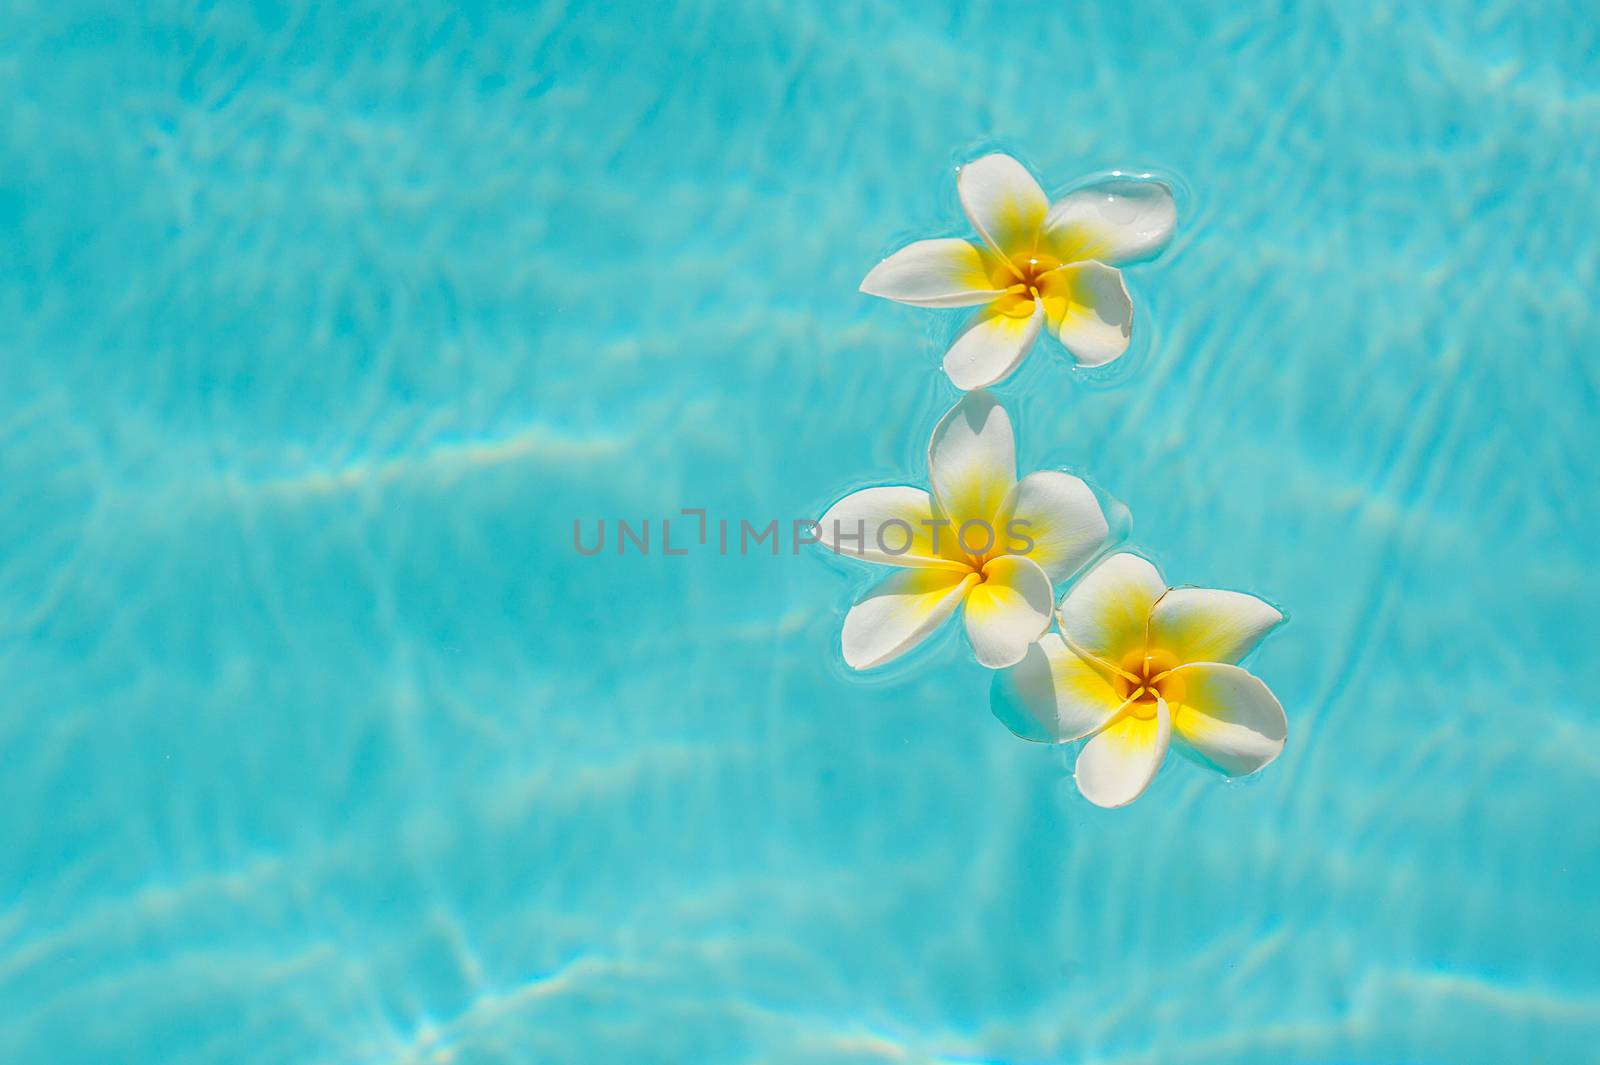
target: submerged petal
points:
(1121, 760)
(894, 525)
(1107, 613)
(1229, 717)
(972, 462)
(1210, 625)
(1090, 310)
(991, 345)
(1007, 610)
(933, 273)
(1003, 202)
(1116, 221)
(899, 613)
(1062, 696)
(1061, 517)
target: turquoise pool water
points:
(320, 744)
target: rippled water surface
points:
(319, 325)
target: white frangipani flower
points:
(1136, 665)
(982, 539)
(1039, 264)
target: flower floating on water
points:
(981, 539)
(1039, 264)
(1136, 664)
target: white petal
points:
(899, 613)
(1090, 310)
(1117, 221)
(1008, 610)
(894, 525)
(1107, 613)
(1053, 695)
(972, 462)
(1121, 760)
(992, 345)
(1229, 716)
(1003, 202)
(1209, 625)
(1062, 518)
(933, 273)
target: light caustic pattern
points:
(321, 324)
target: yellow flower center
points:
(1019, 277)
(1146, 675)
